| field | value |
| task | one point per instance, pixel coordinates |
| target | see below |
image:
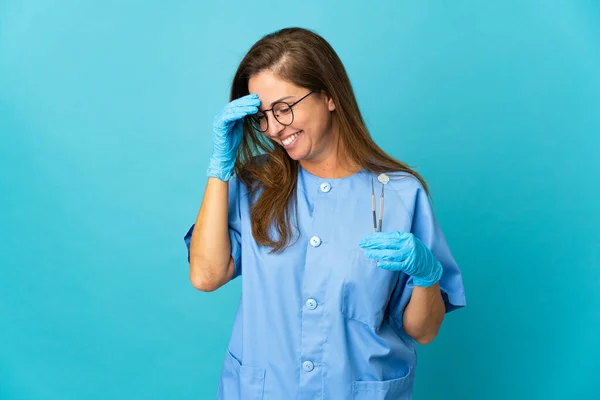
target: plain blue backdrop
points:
(105, 125)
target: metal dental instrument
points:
(373, 203)
(383, 179)
(381, 209)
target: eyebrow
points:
(278, 100)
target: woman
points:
(330, 309)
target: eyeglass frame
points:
(256, 124)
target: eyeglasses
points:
(282, 112)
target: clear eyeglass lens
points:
(262, 123)
(283, 113)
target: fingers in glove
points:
(237, 113)
(388, 255)
(248, 100)
(386, 240)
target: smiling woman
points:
(286, 128)
(342, 305)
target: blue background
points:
(105, 123)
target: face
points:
(311, 135)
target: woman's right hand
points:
(228, 127)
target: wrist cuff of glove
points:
(432, 279)
(219, 171)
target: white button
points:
(315, 241)
(325, 187)
(311, 304)
(308, 366)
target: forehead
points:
(270, 87)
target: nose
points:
(274, 128)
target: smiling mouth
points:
(291, 139)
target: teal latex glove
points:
(228, 128)
(402, 251)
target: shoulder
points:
(406, 189)
(402, 181)
(248, 168)
(258, 161)
(248, 171)
(248, 179)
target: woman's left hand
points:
(403, 251)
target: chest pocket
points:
(366, 290)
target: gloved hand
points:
(402, 251)
(228, 127)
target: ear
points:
(330, 103)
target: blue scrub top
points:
(320, 320)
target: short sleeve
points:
(425, 227)
(235, 227)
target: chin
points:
(297, 156)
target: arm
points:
(425, 256)
(403, 251)
(211, 264)
(424, 313)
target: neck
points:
(331, 163)
(331, 171)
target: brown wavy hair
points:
(305, 59)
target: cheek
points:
(302, 121)
(320, 125)
(315, 122)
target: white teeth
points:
(289, 140)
